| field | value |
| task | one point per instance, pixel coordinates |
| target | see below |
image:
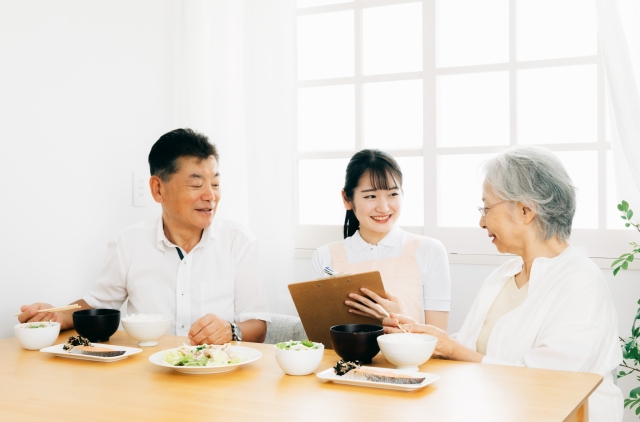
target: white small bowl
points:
(407, 351)
(147, 333)
(37, 338)
(299, 362)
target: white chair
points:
(284, 328)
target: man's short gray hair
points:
(535, 177)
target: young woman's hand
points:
(368, 304)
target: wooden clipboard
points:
(320, 303)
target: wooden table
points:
(35, 386)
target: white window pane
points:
(413, 187)
(472, 110)
(325, 45)
(326, 118)
(459, 189)
(320, 184)
(582, 167)
(393, 114)
(311, 3)
(614, 222)
(392, 39)
(471, 32)
(557, 105)
(549, 29)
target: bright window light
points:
(392, 39)
(413, 187)
(393, 114)
(551, 29)
(320, 184)
(325, 45)
(582, 167)
(557, 105)
(472, 109)
(460, 189)
(471, 32)
(326, 118)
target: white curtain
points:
(619, 22)
(235, 82)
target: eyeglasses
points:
(483, 210)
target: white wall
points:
(86, 89)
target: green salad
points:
(298, 345)
(34, 325)
(204, 355)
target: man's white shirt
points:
(221, 275)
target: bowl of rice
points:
(147, 329)
(407, 350)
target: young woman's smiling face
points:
(377, 210)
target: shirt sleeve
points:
(321, 258)
(110, 288)
(434, 275)
(250, 301)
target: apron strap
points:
(409, 250)
(338, 255)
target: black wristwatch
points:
(236, 334)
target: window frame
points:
(464, 244)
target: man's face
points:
(190, 197)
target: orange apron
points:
(400, 275)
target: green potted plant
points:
(630, 349)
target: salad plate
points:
(57, 350)
(330, 375)
(250, 355)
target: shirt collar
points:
(161, 239)
(391, 239)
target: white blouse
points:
(431, 257)
(567, 322)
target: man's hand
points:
(210, 329)
(30, 313)
(65, 318)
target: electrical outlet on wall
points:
(140, 188)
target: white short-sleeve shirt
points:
(431, 257)
(220, 275)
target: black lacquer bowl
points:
(356, 341)
(96, 324)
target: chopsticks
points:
(62, 308)
(385, 313)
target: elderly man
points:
(204, 273)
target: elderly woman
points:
(548, 308)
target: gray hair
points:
(535, 177)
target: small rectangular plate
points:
(57, 350)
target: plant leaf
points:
(616, 262)
(630, 258)
(625, 265)
(624, 217)
(629, 214)
(627, 224)
(620, 207)
(625, 206)
(616, 271)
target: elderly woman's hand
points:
(447, 347)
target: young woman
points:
(414, 269)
